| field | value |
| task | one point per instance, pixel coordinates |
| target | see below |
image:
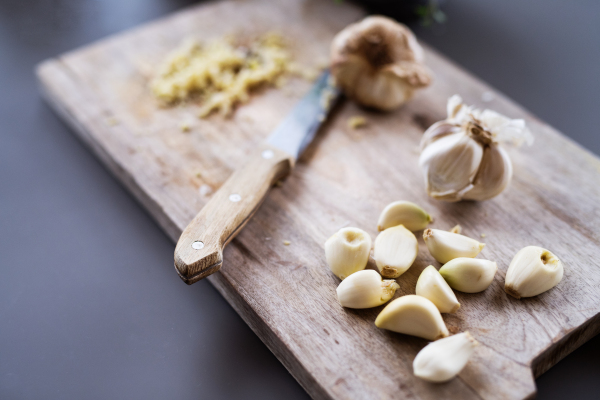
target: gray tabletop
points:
(90, 306)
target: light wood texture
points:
(346, 177)
(227, 212)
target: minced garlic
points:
(222, 73)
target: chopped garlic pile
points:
(221, 73)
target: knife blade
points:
(199, 250)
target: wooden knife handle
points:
(199, 251)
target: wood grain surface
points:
(345, 178)
(227, 212)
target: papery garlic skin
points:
(406, 213)
(395, 250)
(443, 359)
(445, 246)
(378, 63)
(347, 251)
(461, 158)
(365, 289)
(469, 275)
(532, 271)
(413, 315)
(432, 286)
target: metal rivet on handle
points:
(197, 245)
(235, 197)
(266, 154)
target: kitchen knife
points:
(199, 251)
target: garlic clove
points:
(413, 217)
(469, 275)
(443, 359)
(432, 286)
(378, 63)
(347, 251)
(413, 315)
(445, 246)
(436, 131)
(494, 175)
(532, 271)
(365, 289)
(450, 165)
(395, 251)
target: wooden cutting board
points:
(287, 293)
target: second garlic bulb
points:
(378, 63)
(461, 157)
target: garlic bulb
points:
(532, 271)
(443, 359)
(469, 275)
(445, 246)
(347, 251)
(432, 286)
(395, 251)
(413, 315)
(461, 157)
(378, 63)
(365, 289)
(413, 217)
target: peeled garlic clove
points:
(365, 289)
(433, 287)
(532, 271)
(413, 315)
(443, 359)
(395, 251)
(494, 175)
(347, 251)
(469, 275)
(413, 217)
(378, 63)
(445, 246)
